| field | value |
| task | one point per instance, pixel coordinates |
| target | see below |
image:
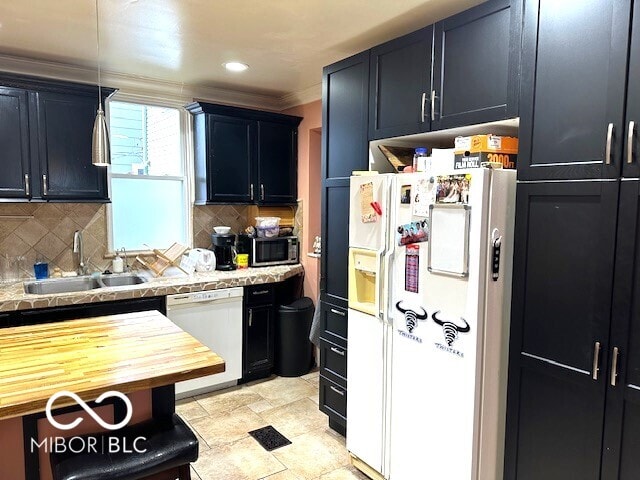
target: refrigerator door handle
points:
(385, 294)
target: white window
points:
(149, 187)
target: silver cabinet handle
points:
(424, 99)
(338, 351)
(261, 292)
(630, 135)
(27, 187)
(251, 191)
(607, 152)
(250, 317)
(433, 105)
(596, 361)
(614, 366)
(261, 191)
(45, 187)
(338, 391)
(338, 312)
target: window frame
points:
(186, 149)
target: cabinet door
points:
(562, 287)
(574, 63)
(63, 137)
(258, 339)
(231, 156)
(14, 138)
(277, 165)
(345, 97)
(400, 86)
(476, 65)
(631, 160)
(622, 427)
(335, 241)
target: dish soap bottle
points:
(117, 265)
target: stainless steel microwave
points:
(267, 251)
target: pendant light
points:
(100, 156)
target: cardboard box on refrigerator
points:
(473, 151)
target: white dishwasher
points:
(214, 318)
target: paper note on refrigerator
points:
(449, 242)
(367, 211)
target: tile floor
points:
(223, 419)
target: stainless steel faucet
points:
(78, 248)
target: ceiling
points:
(181, 44)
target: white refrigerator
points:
(429, 293)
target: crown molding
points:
(138, 85)
(301, 97)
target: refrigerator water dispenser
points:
(363, 280)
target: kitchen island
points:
(140, 354)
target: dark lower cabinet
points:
(71, 312)
(258, 332)
(622, 420)
(476, 65)
(333, 402)
(564, 336)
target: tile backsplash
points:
(45, 230)
(205, 217)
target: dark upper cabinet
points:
(14, 138)
(400, 85)
(630, 159)
(476, 65)
(230, 159)
(64, 135)
(277, 165)
(574, 71)
(561, 317)
(345, 100)
(244, 156)
(46, 130)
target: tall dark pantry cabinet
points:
(345, 91)
(573, 408)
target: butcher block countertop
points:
(13, 297)
(126, 353)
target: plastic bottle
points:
(419, 159)
(117, 265)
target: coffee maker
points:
(224, 247)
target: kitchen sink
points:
(61, 285)
(121, 280)
(81, 284)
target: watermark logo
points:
(96, 444)
(86, 408)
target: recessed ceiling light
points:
(235, 66)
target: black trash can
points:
(293, 350)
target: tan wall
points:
(309, 150)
